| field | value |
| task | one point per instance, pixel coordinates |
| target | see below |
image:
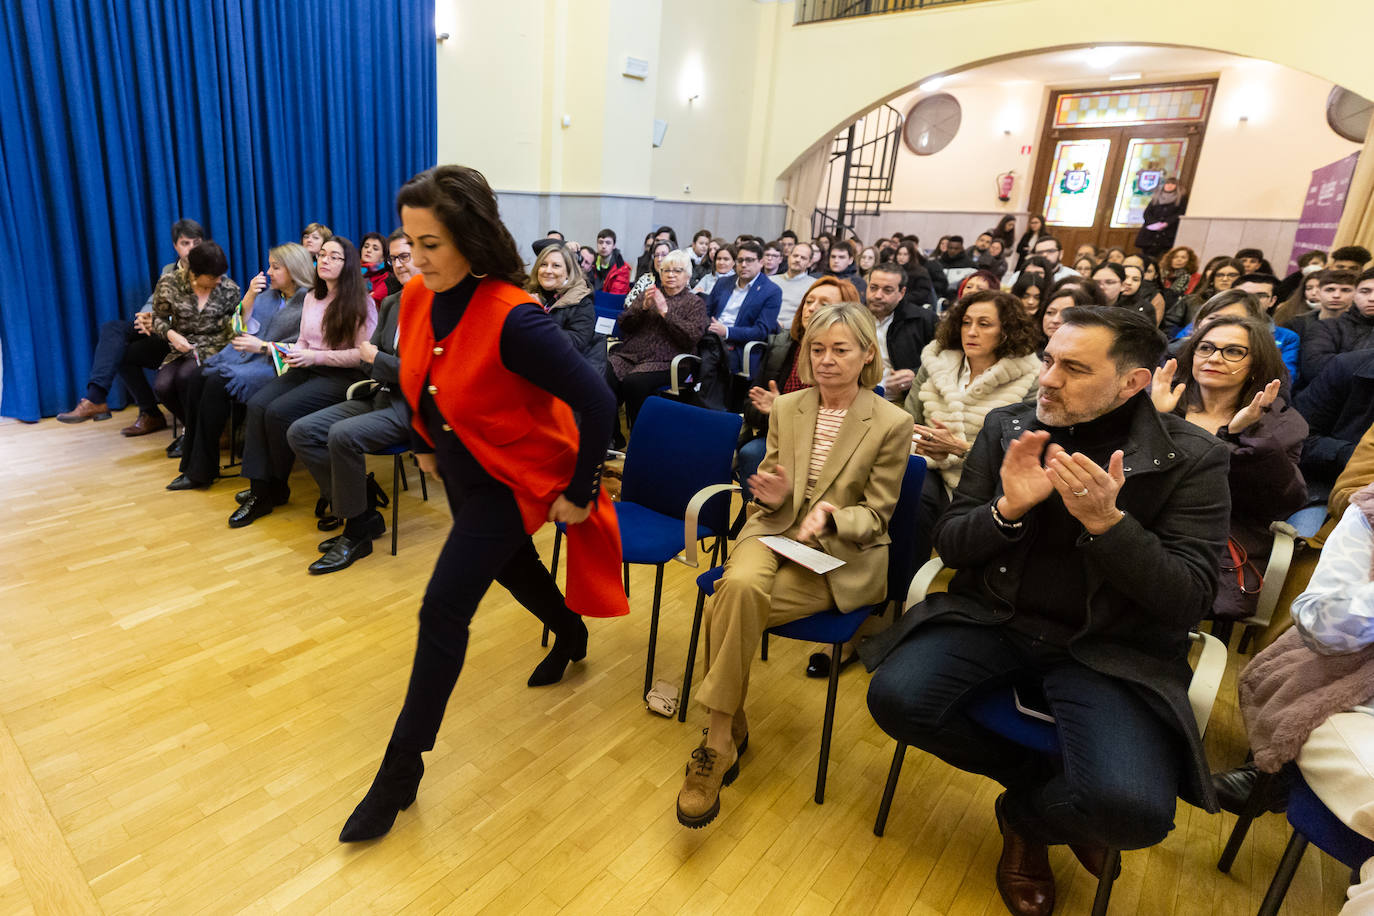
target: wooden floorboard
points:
(187, 718)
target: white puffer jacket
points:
(935, 395)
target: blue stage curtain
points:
(253, 117)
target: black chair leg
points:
(398, 470)
(1283, 875)
(1247, 635)
(653, 631)
(691, 657)
(1253, 809)
(894, 772)
(625, 570)
(401, 469)
(1221, 629)
(763, 648)
(1104, 883)
(831, 691)
(424, 488)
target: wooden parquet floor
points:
(187, 718)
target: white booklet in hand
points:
(815, 560)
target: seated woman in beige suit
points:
(830, 477)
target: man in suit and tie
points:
(334, 442)
(746, 309)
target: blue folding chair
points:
(674, 491)
(833, 627)
(997, 712)
(608, 308)
(1314, 823)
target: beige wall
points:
(1257, 169)
(887, 64)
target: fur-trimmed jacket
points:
(937, 396)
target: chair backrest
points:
(608, 308)
(901, 554)
(674, 451)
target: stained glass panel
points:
(1114, 108)
(1148, 163)
(1075, 185)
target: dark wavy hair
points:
(348, 311)
(1265, 362)
(1019, 336)
(463, 201)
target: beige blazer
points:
(862, 476)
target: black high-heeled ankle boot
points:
(393, 790)
(569, 648)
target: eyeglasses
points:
(1232, 354)
(1227, 274)
(401, 258)
(746, 259)
(332, 258)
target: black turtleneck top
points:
(1053, 598)
(532, 346)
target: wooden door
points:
(1093, 180)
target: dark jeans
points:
(934, 502)
(208, 406)
(267, 455)
(634, 388)
(487, 536)
(172, 383)
(1118, 778)
(121, 350)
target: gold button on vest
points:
(438, 351)
(433, 389)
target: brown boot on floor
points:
(698, 802)
(1024, 877)
(145, 424)
(85, 409)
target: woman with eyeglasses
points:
(1218, 276)
(1242, 304)
(337, 317)
(1230, 379)
(657, 325)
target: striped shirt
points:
(827, 427)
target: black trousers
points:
(487, 542)
(208, 405)
(173, 382)
(1117, 781)
(122, 351)
(267, 455)
(635, 388)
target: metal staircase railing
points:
(862, 166)
(825, 10)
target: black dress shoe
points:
(183, 482)
(174, 450)
(341, 554)
(393, 790)
(322, 507)
(818, 665)
(572, 648)
(1233, 789)
(323, 546)
(328, 522)
(252, 509)
(374, 526)
(241, 496)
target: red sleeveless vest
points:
(522, 435)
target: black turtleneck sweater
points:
(1053, 596)
(534, 347)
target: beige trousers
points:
(1338, 763)
(759, 590)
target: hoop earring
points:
(480, 276)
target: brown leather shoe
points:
(1024, 877)
(698, 802)
(1094, 859)
(85, 409)
(145, 424)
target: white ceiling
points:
(1081, 66)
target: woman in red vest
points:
(492, 384)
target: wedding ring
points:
(1082, 492)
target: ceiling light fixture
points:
(1116, 77)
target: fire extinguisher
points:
(1004, 184)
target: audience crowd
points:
(1111, 430)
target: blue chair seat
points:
(651, 537)
(1315, 821)
(997, 713)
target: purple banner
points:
(1321, 211)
